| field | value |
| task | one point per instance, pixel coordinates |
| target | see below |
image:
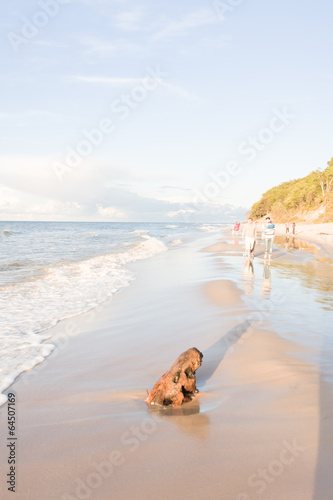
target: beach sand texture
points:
(261, 426)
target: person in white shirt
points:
(250, 235)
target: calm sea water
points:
(50, 271)
(293, 295)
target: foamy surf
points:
(66, 289)
(51, 271)
(209, 229)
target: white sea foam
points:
(209, 229)
(176, 242)
(139, 231)
(67, 289)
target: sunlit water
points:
(293, 294)
(50, 271)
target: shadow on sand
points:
(216, 352)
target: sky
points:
(142, 110)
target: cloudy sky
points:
(145, 110)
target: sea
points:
(50, 271)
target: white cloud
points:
(129, 20)
(131, 81)
(193, 20)
(29, 190)
(49, 43)
(25, 117)
(119, 46)
(180, 212)
(94, 2)
(111, 212)
(220, 42)
(189, 96)
(9, 199)
(17, 205)
(51, 207)
(116, 81)
(94, 45)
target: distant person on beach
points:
(287, 227)
(294, 227)
(269, 233)
(250, 235)
(236, 227)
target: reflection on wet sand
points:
(293, 243)
(302, 304)
(248, 276)
(315, 274)
(289, 243)
(314, 270)
(266, 281)
(235, 239)
(188, 417)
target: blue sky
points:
(159, 111)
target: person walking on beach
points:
(269, 233)
(250, 235)
(287, 227)
(294, 227)
(236, 227)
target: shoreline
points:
(83, 423)
(320, 234)
(66, 290)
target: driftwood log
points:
(178, 385)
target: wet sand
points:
(261, 426)
(319, 234)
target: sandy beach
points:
(261, 426)
(319, 234)
(149, 351)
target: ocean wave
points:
(17, 264)
(176, 242)
(209, 229)
(66, 290)
(91, 234)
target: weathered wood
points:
(178, 385)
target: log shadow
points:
(214, 355)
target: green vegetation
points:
(295, 199)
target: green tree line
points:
(290, 199)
